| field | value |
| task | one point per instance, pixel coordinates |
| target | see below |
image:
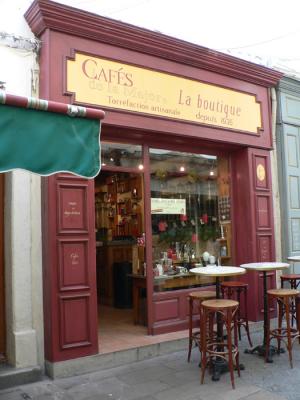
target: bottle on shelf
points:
(223, 251)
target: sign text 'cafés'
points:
(106, 83)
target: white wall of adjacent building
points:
(23, 254)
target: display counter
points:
(179, 281)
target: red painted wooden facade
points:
(70, 295)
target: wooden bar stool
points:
(285, 298)
(196, 297)
(216, 351)
(297, 312)
(234, 289)
(293, 281)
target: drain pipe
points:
(275, 185)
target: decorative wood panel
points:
(74, 321)
(292, 150)
(294, 192)
(264, 244)
(290, 109)
(72, 208)
(180, 311)
(295, 234)
(73, 264)
(260, 172)
(263, 212)
(166, 309)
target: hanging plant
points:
(164, 237)
(207, 232)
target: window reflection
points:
(121, 155)
(190, 209)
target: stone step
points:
(10, 376)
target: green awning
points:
(48, 142)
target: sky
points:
(263, 31)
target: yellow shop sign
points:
(105, 83)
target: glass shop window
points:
(190, 211)
(121, 155)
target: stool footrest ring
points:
(213, 349)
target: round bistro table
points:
(220, 365)
(294, 259)
(264, 267)
(218, 272)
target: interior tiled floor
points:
(116, 331)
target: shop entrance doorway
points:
(120, 260)
(2, 285)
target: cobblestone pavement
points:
(170, 377)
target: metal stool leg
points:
(203, 344)
(280, 316)
(297, 303)
(246, 317)
(237, 357)
(288, 327)
(229, 342)
(239, 313)
(268, 339)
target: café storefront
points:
(185, 179)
